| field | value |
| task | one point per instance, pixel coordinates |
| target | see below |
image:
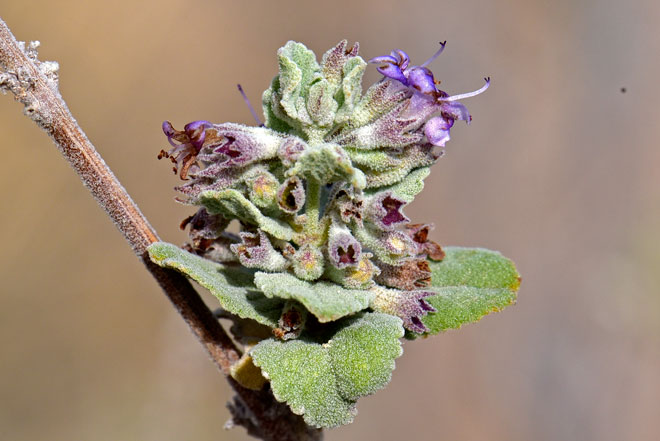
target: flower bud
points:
(308, 263)
(290, 150)
(262, 188)
(321, 104)
(244, 145)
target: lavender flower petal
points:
(437, 130)
(421, 79)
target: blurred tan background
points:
(559, 171)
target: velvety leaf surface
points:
(323, 381)
(409, 187)
(363, 354)
(232, 287)
(327, 163)
(327, 301)
(470, 283)
(298, 67)
(232, 204)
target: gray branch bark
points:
(34, 84)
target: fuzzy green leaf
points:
(300, 374)
(469, 283)
(323, 381)
(232, 287)
(298, 67)
(321, 105)
(233, 205)
(351, 91)
(274, 115)
(409, 187)
(363, 354)
(327, 301)
(328, 163)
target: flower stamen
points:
(468, 94)
(249, 105)
(434, 56)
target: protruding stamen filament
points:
(252, 111)
(469, 94)
(434, 56)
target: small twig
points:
(34, 84)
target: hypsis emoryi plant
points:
(327, 273)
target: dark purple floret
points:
(414, 308)
(409, 275)
(344, 250)
(385, 211)
(392, 213)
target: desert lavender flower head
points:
(420, 80)
(320, 187)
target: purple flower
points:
(256, 251)
(410, 306)
(343, 249)
(385, 211)
(426, 96)
(190, 142)
(394, 65)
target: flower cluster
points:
(319, 188)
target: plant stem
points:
(34, 84)
(312, 207)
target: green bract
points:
(323, 380)
(470, 283)
(234, 289)
(325, 257)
